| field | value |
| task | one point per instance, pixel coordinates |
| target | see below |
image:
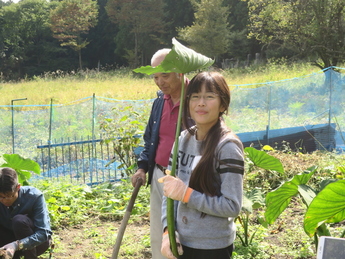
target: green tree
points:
(25, 37)
(240, 45)
(210, 31)
(100, 51)
(143, 20)
(177, 14)
(314, 28)
(71, 20)
(2, 3)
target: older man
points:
(159, 138)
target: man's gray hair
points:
(159, 56)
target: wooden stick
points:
(126, 218)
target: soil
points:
(89, 239)
(95, 238)
(98, 237)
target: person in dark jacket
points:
(159, 137)
(24, 218)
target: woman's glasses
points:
(207, 97)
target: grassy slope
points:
(123, 85)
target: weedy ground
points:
(86, 221)
(92, 234)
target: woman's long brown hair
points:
(204, 178)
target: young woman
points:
(209, 183)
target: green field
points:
(124, 85)
(253, 107)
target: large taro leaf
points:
(263, 160)
(180, 60)
(327, 206)
(279, 199)
(22, 166)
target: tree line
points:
(38, 36)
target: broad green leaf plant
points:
(23, 167)
(180, 60)
(326, 205)
(278, 200)
(253, 199)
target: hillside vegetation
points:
(123, 84)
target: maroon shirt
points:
(167, 131)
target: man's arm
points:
(42, 225)
(143, 160)
(144, 154)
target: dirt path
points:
(95, 239)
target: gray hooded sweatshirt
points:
(216, 229)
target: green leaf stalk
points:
(179, 60)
